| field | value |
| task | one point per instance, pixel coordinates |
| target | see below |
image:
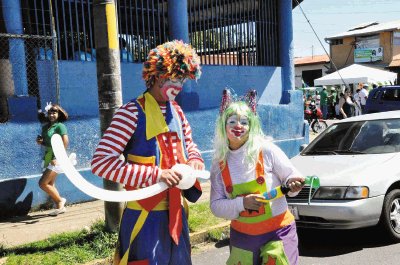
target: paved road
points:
(354, 247)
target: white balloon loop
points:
(189, 176)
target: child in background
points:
(55, 116)
(246, 165)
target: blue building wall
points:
(78, 84)
(21, 156)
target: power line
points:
(320, 42)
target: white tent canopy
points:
(356, 73)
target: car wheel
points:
(390, 218)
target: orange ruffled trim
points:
(263, 227)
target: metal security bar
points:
(34, 70)
(235, 32)
(143, 24)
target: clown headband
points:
(227, 98)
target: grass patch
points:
(218, 234)
(201, 218)
(66, 248)
(95, 243)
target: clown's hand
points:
(170, 177)
(189, 175)
(295, 184)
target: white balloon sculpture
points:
(189, 176)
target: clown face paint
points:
(237, 130)
(171, 88)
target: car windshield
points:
(358, 138)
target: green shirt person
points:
(54, 118)
(324, 103)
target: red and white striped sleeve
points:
(191, 147)
(106, 161)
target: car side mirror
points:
(302, 147)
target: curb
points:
(204, 235)
(196, 238)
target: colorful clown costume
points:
(267, 236)
(154, 230)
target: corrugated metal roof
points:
(368, 28)
(316, 59)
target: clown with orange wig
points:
(153, 134)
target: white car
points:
(357, 161)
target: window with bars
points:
(143, 24)
(223, 32)
(235, 32)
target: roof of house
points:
(316, 59)
(395, 62)
(367, 29)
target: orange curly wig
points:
(171, 60)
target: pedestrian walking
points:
(324, 103)
(53, 124)
(346, 106)
(363, 97)
(357, 103)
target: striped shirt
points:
(107, 162)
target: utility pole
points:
(109, 86)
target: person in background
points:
(338, 99)
(246, 164)
(318, 101)
(56, 115)
(363, 97)
(308, 102)
(346, 106)
(331, 103)
(357, 103)
(324, 103)
(153, 134)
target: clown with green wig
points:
(153, 134)
(246, 166)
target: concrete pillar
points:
(13, 21)
(178, 22)
(286, 48)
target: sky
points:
(332, 17)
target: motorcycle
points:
(314, 117)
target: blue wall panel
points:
(215, 78)
(78, 87)
(78, 84)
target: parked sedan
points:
(358, 163)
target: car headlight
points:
(338, 193)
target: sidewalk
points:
(39, 225)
